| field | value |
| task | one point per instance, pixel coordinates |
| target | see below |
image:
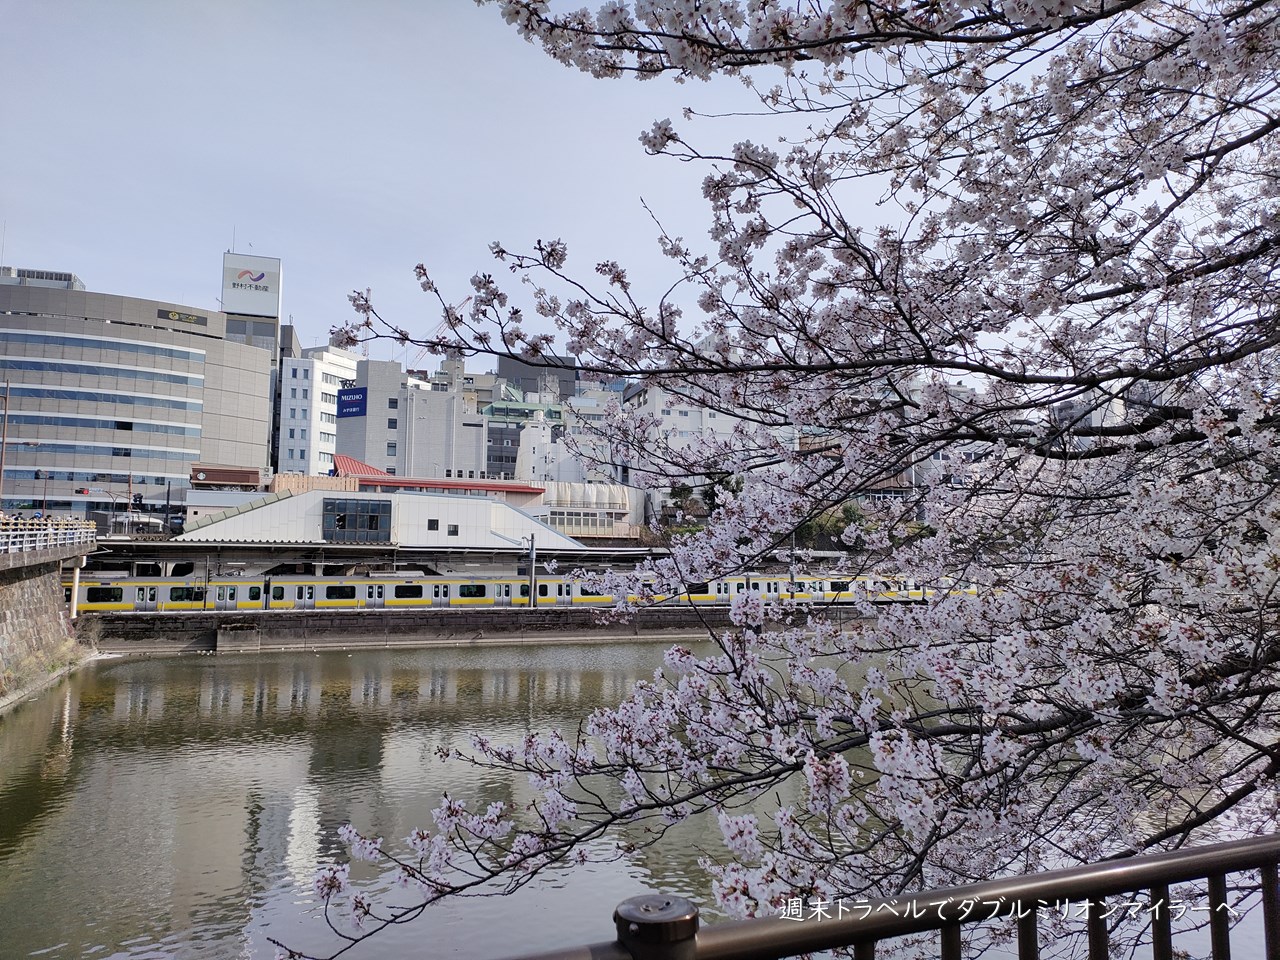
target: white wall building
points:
(309, 387)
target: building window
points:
(433, 524)
(304, 394)
(302, 433)
(304, 413)
(291, 457)
(293, 413)
(302, 454)
(356, 521)
(448, 474)
(293, 371)
(306, 374)
(392, 469)
(392, 423)
(391, 449)
(393, 404)
(291, 433)
(683, 413)
(453, 530)
(293, 393)
(471, 474)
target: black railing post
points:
(656, 927)
(1271, 910)
(1161, 925)
(1097, 928)
(1028, 934)
(1219, 922)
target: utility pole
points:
(4, 442)
(533, 575)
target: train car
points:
(115, 594)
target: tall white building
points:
(309, 387)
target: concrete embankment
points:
(37, 643)
(229, 632)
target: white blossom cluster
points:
(1045, 389)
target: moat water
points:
(178, 808)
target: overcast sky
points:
(351, 140)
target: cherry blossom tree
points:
(1042, 364)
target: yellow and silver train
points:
(402, 591)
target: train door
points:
(502, 594)
(304, 596)
(375, 595)
(145, 598)
(226, 596)
(440, 594)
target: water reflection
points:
(178, 808)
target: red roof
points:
(344, 466)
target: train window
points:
(410, 591)
(368, 592)
(105, 594)
(506, 589)
(277, 593)
(542, 589)
(445, 590)
(584, 592)
(524, 590)
(698, 588)
(222, 594)
(839, 586)
(255, 593)
(299, 594)
(142, 594)
(231, 594)
(66, 594)
(186, 594)
(559, 589)
(340, 592)
(741, 587)
(471, 591)
(151, 594)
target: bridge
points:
(35, 630)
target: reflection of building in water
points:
(221, 696)
(297, 689)
(438, 685)
(138, 700)
(368, 688)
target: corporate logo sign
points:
(351, 402)
(250, 285)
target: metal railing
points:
(656, 927)
(18, 535)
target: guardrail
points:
(656, 927)
(18, 535)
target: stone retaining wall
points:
(317, 629)
(36, 635)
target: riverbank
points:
(66, 661)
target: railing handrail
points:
(772, 938)
(20, 534)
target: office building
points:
(111, 397)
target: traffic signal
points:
(84, 490)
